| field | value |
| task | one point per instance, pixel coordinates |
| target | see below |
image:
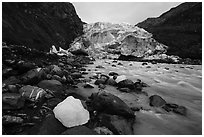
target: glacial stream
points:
(176, 83)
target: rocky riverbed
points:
(122, 97)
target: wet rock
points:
(56, 77)
(166, 68)
(33, 76)
(102, 80)
(53, 102)
(12, 101)
(120, 64)
(127, 90)
(69, 79)
(99, 66)
(79, 52)
(154, 62)
(8, 72)
(101, 86)
(84, 73)
(9, 62)
(83, 69)
(87, 85)
(117, 124)
(110, 104)
(135, 109)
(55, 70)
(180, 110)
(76, 75)
(24, 67)
(127, 83)
(138, 86)
(113, 74)
(169, 107)
(71, 112)
(111, 82)
(7, 119)
(103, 131)
(12, 88)
(49, 76)
(55, 86)
(49, 126)
(32, 93)
(12, 80)
(144, 63)
(79, 130)
(156, 101)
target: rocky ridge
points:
(180, 29)
(40, 25)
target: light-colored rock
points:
(32, 93)
(71, 112)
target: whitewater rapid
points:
(176, 83)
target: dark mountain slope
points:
(180, 29)
(40, 25)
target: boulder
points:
(113, 74)
(12, 101)
(180, 110)
(8, 72)
(12, 88)
(7, 119)
(144, 63)
(127, 90)
(80, 52)
(71, 112)
(55, 86)
(12, 80)
(101, 86)
(117, 124)
(110, 104)
(53, 102)
(33, 76)
(79, 130)
(111, 82)
(55, 70)
(100, 81)
(49, 126)
(32, 93)
(103, 131)
(127, 83)
(156, 101)
(76, 75)
(99, 66)
(169, 107)
(23, 66)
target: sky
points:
(121, 12)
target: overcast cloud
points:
(118, 12)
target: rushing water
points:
(176, 83)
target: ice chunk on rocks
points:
(71, 112)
